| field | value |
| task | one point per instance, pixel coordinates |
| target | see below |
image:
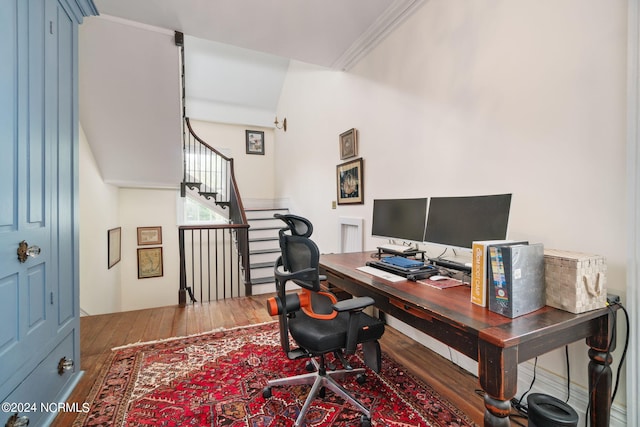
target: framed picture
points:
(149, 262)
(350, 182)
(255, 141)
(114, 238)
(348, 144)
(149, 236)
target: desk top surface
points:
(453, 305)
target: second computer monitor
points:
(458, 221)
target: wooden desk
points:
(496, 342)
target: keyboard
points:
(382, 274)
(451, 264)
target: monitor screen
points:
(458, 221)
(399, 218)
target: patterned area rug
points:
(216, 379)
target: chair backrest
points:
(298, 252)
(296, 225)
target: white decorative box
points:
(574, 281)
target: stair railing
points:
(204, 261)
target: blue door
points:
(28, 168)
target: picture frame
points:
(114, 246)
(350, 182)
(255, 142)
(150, 262)
(149, 236)
(348, 144)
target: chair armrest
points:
(353, 304)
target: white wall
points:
(478, 97)
(104, 206)
(148, 208)
(99, 212)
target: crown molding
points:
(378, 31)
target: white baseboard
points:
(546, 381)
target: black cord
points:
(566, 355)
(624, 354)
(533, 380)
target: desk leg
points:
(600, 372)
(498, 374)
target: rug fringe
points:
(220, 329)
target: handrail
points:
(201, 141)
(213, 174)
(202, 163)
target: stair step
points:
(208, 195)
(263, 264)
(264, 239)
(192, 185)
(262, 280)
(266, 210)
(264, 228)
(264, 251)
(264, 213)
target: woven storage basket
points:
(574, 281)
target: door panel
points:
(26, 195)
(8, 313)
(66, 166)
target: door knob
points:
(25, 251)
(17, 421)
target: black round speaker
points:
(547, 411)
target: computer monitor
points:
(458, 221)
(399, 218)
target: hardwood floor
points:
(101, 333)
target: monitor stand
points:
(409, 253)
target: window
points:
(198, 213)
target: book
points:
(480, 269)
(517, 279)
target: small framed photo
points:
(114, 246)
(350, 182)
(348, 144)
(255, 141)
(149, 236)
(149, 262)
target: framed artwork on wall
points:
(255, 142)
(149, 262)
(114, 245)
(350, 182)
(348, 144)
(149, 236)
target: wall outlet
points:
(333, 204)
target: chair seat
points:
(330, 335)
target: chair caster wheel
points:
(322, 393)
(361, 378)
(365, 421)
(309, 367)
(266, 392)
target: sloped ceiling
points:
(331, 33)
(237, 54)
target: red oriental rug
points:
(216, 379)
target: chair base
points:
(319, 379)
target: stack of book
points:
(508, 276)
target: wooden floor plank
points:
(100, 333)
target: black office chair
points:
(319, 323)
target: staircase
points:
(222, 260)
(264, 247)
